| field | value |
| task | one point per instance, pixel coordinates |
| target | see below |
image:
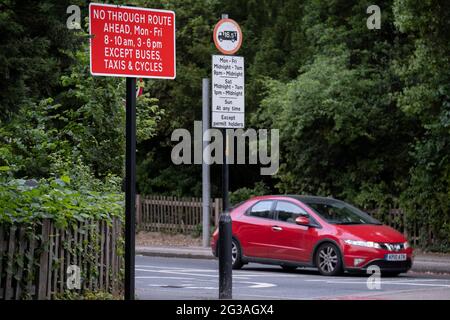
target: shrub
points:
(242, 194)
(54, 199)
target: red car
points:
(325, 233)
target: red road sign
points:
(131, 42)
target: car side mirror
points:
(302, 221)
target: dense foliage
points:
(29, 202)
(76, 219)
(76, 127)
(364, 115)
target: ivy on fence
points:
(46, 226)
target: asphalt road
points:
(180, 278)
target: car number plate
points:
(395, 257)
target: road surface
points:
(181, 278)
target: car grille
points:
(392, 246)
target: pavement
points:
(175, 278)
(423, 262)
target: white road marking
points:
(190, 282)
(175, 268)
(235, 272)
(210, 275)
(251, 284)
(189, 273)
(269, 273)
(159, 277)
(258, 285)
(412, 282)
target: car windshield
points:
(339, 212)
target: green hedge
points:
(54, 199)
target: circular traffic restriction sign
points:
(227, 36)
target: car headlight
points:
(406, 245)
(367, 244)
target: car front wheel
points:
(236, 257)
(328, 260)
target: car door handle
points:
(277, 228)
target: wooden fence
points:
(34, 261)
(174, 215)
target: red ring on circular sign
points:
(239, 32)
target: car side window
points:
(262, 210)
(288, 211)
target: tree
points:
(80, 129)
(425, 97)
(33, 51)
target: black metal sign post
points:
(225, 232)
(227, 39)
(130, 187)
(225, 172)
(99, 42)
